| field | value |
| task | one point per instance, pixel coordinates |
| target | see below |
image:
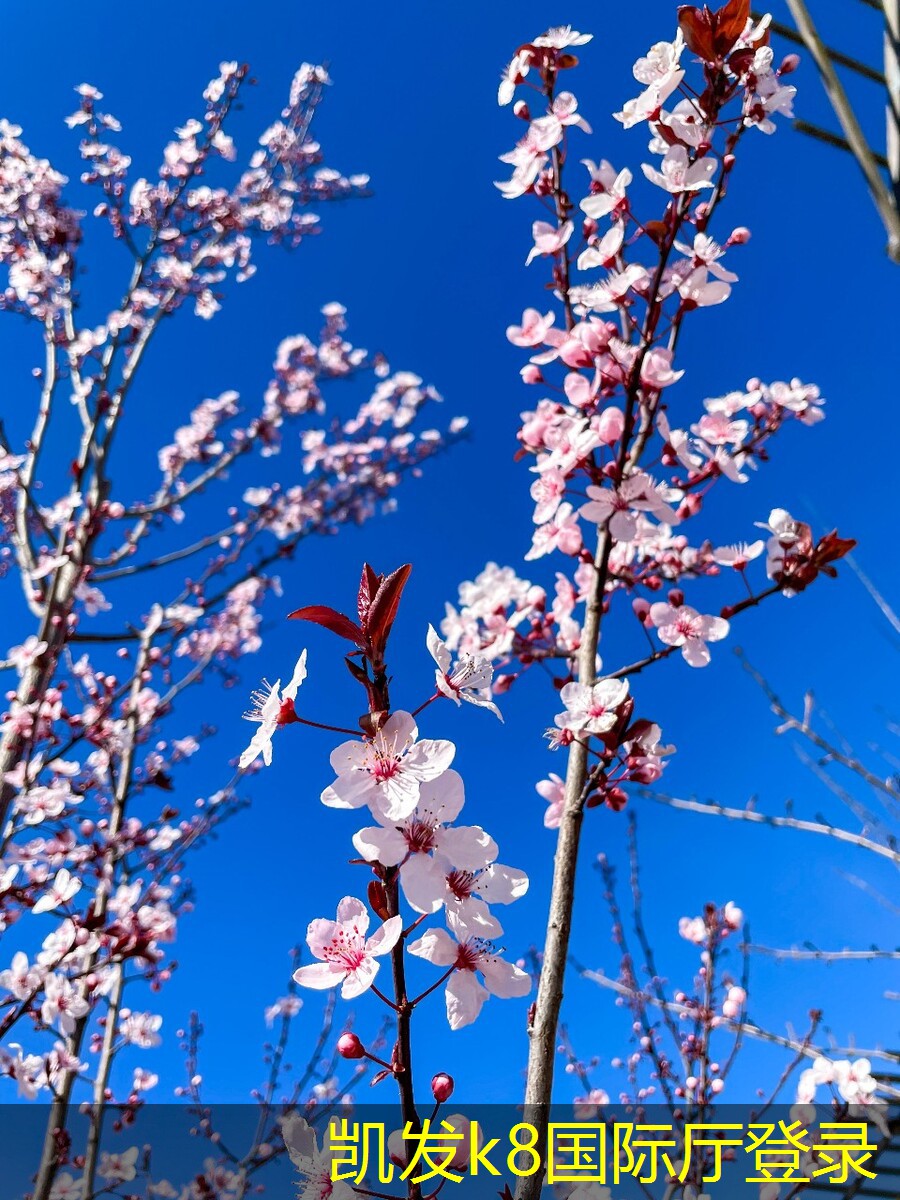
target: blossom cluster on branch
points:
(131, 601)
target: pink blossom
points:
(512, 75)
(553, 790)
(602, 253)
(678, 174)
(271, 708)
(430, 883)
(618, 506)
(656, 369)
(118, 1167)
(140, 1029)
(612, 194)
(693, 929)
(23, 656)
(64, 887)
(700, 291)
(387, 771)
(561, 533)
(706, 253)
(465, 995)
(608, 295)
(592, 708)
(547, 491)
(469, 679)
(685, 627)
(348, 957)
(561, 37)
(738, 556)
(316, 1167)
(533, 330)
(548, 239)
(429, 829)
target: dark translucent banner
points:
(169, 1152)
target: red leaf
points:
(329, 618)
(378, 899)
(696, 25)
(368, 586)
(383, 609)
(730, 23)
(831, 548)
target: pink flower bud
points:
(521, 110)
(739, 236)
(349, 1046)
(717, 1086)
(789, 63)
(610, 425)
(641, 610)
(531, 374)
(690, 505)
(502, 683)
(442, 1087)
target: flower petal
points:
(465, 997)
(376, 844)
(503, 979)
(437, 650)
(436, 946)
(423, 883)
(385, 938)
(361, 979)
(290, 692)
(319, 975)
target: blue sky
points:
(432, 271)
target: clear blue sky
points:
(432, 271)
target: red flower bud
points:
(349, 1046)
(378, 899)
(442, 1087)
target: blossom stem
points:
(331, 728)
(416, 923)
(403, 1050)
(375, 1059)
(443, 979)
(383, 997)
(430, 700)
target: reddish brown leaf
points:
(330, 618)
(696, 25)
(730, 23)
(831, 548)
(378, 899)
(384, 607)
(368, 586)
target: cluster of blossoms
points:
(408, 787)
(617, 479)
(93, 845)
(622, 468)
(678, 1057)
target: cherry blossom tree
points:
(130, 601)
(621, 469)
(622, 464)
